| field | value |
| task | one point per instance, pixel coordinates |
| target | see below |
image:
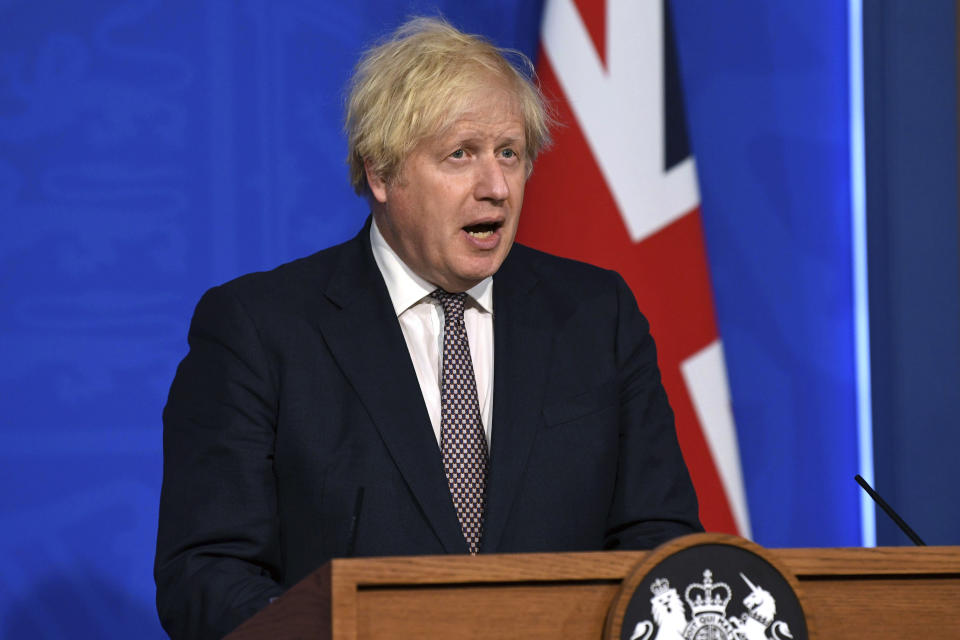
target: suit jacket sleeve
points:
(217, 544)
(654, 499)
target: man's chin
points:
(467, 271)
(476, 276)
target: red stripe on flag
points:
(594, 16)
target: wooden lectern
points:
(881, 593)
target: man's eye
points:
(459, 153)
(509, 153)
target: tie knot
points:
(452, 302)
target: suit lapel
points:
(524, 326)
(365, 337)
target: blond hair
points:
(418, 82)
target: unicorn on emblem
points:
(761, 611)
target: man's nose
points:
(491, 181)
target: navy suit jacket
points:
(296, 432)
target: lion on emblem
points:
(668, 614)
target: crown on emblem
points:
(660, 586)
(707, 597)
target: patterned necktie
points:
(462, 440)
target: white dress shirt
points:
(421, 321)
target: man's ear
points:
(378, 186)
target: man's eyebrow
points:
(472, 139)
(511, 141)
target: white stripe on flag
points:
(620, 108)
(705, 374)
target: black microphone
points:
(890, 512)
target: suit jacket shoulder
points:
(554, 268)
(292, 283)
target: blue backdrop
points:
(769, 123)
(151, 150)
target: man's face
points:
(452, 213)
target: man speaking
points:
(425, 388)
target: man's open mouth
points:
(483, 229)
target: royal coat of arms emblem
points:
(707, 602)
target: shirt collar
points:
(406, 288)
